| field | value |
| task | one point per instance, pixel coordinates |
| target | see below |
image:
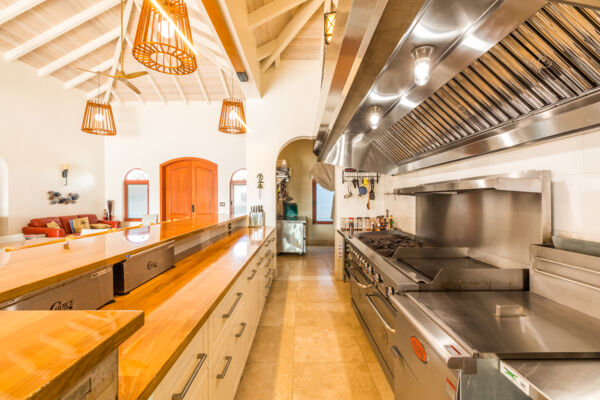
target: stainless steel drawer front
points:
(88, 291)
(142, 267)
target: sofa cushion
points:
(92, 218)
(53, 224)
(80, 224)
(43, 222)
(66, 224)
(100, 226)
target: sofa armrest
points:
(114, 224)
(49, 232)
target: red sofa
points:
(39, 225)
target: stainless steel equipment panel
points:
(291, 236)
(88, 291)
(545, 330)
(142, 267)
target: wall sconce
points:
(65, 173)
(329, 26)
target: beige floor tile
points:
(383, 387)
(332, 292)
(326, 344)
(333, 381)
(273, 344)
(266, 381)
(283, 291)
(277, 313)
(322, 314)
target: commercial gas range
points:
(471, 236)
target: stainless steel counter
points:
(546, 330)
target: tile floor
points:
(309, 344)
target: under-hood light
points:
(422, 58)
(374, 116)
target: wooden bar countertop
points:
(24, 271)
(176, 304)
(44, 353)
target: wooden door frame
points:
(162, 179)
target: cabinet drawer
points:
(223, 371)
(227, 309)
(188, 377)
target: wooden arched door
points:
(188, 187)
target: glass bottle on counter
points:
(359, 224)
(351, 226)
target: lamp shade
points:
(163, 41)
(98, 119)
(232, 118)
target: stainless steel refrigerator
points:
(291, 236)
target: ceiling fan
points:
(121, 76)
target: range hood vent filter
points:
(553, 57)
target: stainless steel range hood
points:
(504, 73)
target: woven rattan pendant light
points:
(98, 117)
(233, 119)
(163, 41)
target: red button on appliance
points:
(419, 349)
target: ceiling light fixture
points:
(329, 26)
(163, 41)
(374, 116)
(233, 119)
(98, 117)
(422, 58)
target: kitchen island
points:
(200, 316)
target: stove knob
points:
(376, 278)
(389, 291)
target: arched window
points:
(136, 192)
(237, 192)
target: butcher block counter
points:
(178, 303)
(45, 353)
(29, 269)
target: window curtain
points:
(324, 175)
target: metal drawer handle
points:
(239, 297)
(268, 285)
(241, 332)
(253, 273)
(385, 324)
(180, 396)
(268, 272)
(353, 277)
(397, 352)
(224, 373)
(260, 261)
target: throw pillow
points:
(100, 226)
(80, 223)
(53, 225)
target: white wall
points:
(151, 134)
(40, 129)
(286, 112)
(575, 165)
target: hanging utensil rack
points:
(349, 176)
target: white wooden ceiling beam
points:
(269, 11)
(118, 47)
(16, 9)
(180, 89)
(60, 29)
(224, 83)
(94, 93)
(266, 49)
(79, 79)
(202, 86)
(78, 53)
(290, 31)
(155, 86)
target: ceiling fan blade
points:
(130, 85)
(135, 74)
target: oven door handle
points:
(355, 279)
(383, 321)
